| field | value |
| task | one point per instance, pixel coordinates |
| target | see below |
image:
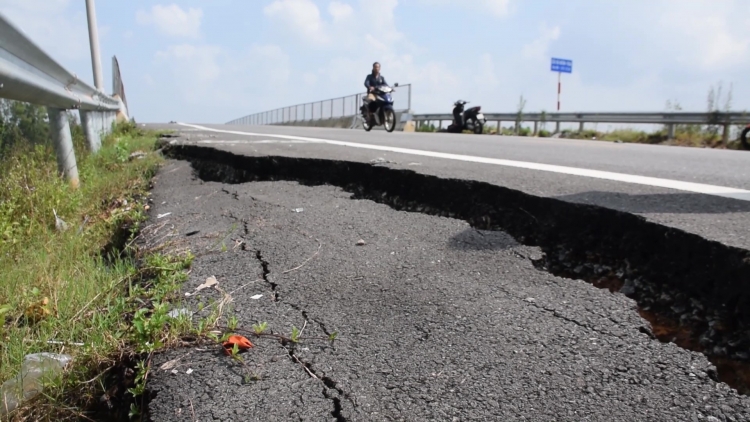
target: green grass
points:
(56, 286)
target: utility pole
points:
(96, 60)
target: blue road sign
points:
(562, 65)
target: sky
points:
(211, 62)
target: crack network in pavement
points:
(682, 282)
(329, 384)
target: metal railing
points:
(668, 119)
(334, 108)
(29, 74)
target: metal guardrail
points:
(29, 74)
(664, 118)
(334, 108)
(669, 119)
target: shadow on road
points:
(677, 203)
(480, 240)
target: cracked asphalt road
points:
(714, 218)
(435, 320)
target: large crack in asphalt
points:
(267, 275)
(694, 292)
(328, 383)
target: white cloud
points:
(309, 78)
(200, 62)
(537, 49)
(384, 26)
(498, 8)
(234, 81)
(708, 35)
(172, 20)
(354, 46)
(340, 11)
(486, 76)
(301, 17)
(345, 27)
(51, 25)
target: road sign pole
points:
(560, 66)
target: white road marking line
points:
(265, 141)
(726, 192)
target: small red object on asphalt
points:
(241, 342)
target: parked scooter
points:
(471, 119)
(381, 110)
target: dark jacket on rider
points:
(374, 81)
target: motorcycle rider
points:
(457, 118)
(373, 80)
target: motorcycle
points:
(743, 137)
(380, 111)
(471, 119)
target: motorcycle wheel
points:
(478, 127)
(743, 138)
(366, 123)
(389, 120)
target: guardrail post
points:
(109, 120)
(580, 127)
(499, 128)
(725, 135)
(63, 142)
(536, 126)
(409, 100)
(670, 131)
(93, 135)
(557, 127)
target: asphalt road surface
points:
(435, 320)
(718, 218)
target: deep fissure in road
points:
(693, 291)
(266, 275)
(328, 383)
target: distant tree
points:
(22, 122)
